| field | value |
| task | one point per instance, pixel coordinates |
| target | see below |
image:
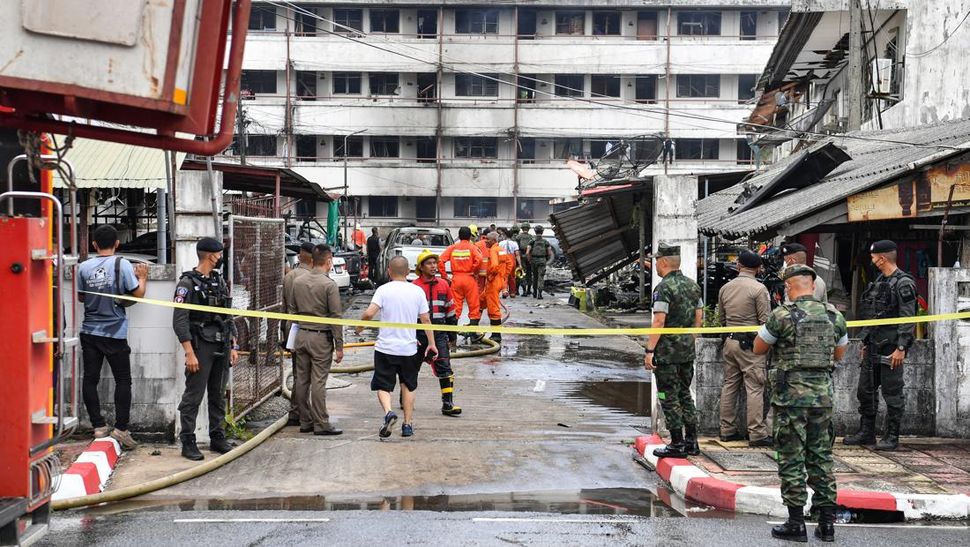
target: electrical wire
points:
(945, 40)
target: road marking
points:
(227, 520)
(566, 520)
(900, 526)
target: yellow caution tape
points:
(631, 331)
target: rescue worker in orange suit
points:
(465, 259)
(496, 282)
(482, 278)
(441, 307)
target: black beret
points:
(749, 259)
(307, 247)
(883, 246)
(209, 245)
(792, 248)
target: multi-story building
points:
(456, 112)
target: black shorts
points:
(389, 368)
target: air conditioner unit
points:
(882, 72)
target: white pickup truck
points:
(409, 242)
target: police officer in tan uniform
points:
(744, 301)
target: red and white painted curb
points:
(695, 484)
(90, 471)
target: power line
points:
(945, 40)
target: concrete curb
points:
(90, 471)
(695, 484)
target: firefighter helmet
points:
(425, 255)
(474, 229)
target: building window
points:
(606, 23)
(476, 207)
(570, 85)
(646, 88)
(306, 147)
(564, 149)
(382, 206)
(749, 25)
(699, 85)
(385, 147)
(571, 23)
(260, 145)
(647, 25)
(305, 24)
(526, 88)
(257, 81)
(476, 147)
(605, 85)
(385, 20)
(425, 209)
(745, 156)
(348, 20)
(346, 83)
(306, 85)
(355, 147)
(384, 83)
(472, 85)
(476, 21)
(699, 23)
(426, 149)
(262, 17)
(526, 149)
(427, 23)
(746, 83)
(532, 209)
(599, 147)
(696, 149)
(427, 87)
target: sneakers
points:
(407, 430)
(389, 419)
(102, 432)
(124, 438)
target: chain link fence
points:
(256, 271)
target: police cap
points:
(209, 245)
(792, 248)
(883, 246)
(749, 259)
(798, 269)
(307, 247)
(663, 249)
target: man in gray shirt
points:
(796, 253)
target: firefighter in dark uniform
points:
(892, 294)
(441, 307)
(209, 341)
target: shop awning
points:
(101, 164)
(262, 179)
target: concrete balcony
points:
(592, 55)
(718, 55)
(379, 116)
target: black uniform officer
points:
(210, 348)
(892, 294)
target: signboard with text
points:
(914, 196)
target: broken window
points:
(699, 85)
(355, 147)
(745, 156)
(473, 85)
(571, 23)
(746, 84)
(382, 206)
(262, 17)
(385, 147)
(476, 207)
(383, 83)
(476, 21)
(476, 147)
(570, 85)
(346, 83)
(646, 88)
(257, 81)
(306, 147)
(385, 21)
(605, 85)
(606, 23)
(306, 85)
(427, 87)
(348, 20)
(699, 23)
(696, 149)
(749, 25)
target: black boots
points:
(794, 528)
(496, 336)
(890, 439)
(866, 434)
(826, 524)
(676, 448)
(218, 443)
(474, 337)
(448, 407)
(190, 450)
(690, 441)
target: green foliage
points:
(237, 430)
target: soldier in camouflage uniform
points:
(540, 252)
(525, 239)
(806, 336)
(676, 303)
(892, 294)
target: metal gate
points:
(255, 263)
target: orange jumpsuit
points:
(465, 259)
(497, 266)
(482, 269)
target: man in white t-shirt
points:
(396, 351)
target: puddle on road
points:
(602, 501)
(632, 397)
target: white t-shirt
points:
(400, 302)
(509, 245)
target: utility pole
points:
(241, 134)
(855, 75)
(346, 204)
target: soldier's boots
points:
(794, 528)
(496, 336)
(218, 443)
(448, 407)
(890, 439)
(690, 441)
(676, 447)
(825, 531)
(866, 434)
(190, 450)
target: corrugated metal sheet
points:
(100, 164)
(872, 164)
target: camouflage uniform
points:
(525, 239)
(538, 254)
(804, 335)
(679, 297)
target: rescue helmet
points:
(525, 226)
(422, 257)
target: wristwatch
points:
(901, 348)
(647, 350)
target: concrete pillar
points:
(949, 292)
(193, 220)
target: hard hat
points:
(474, 229)
(425, 254)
